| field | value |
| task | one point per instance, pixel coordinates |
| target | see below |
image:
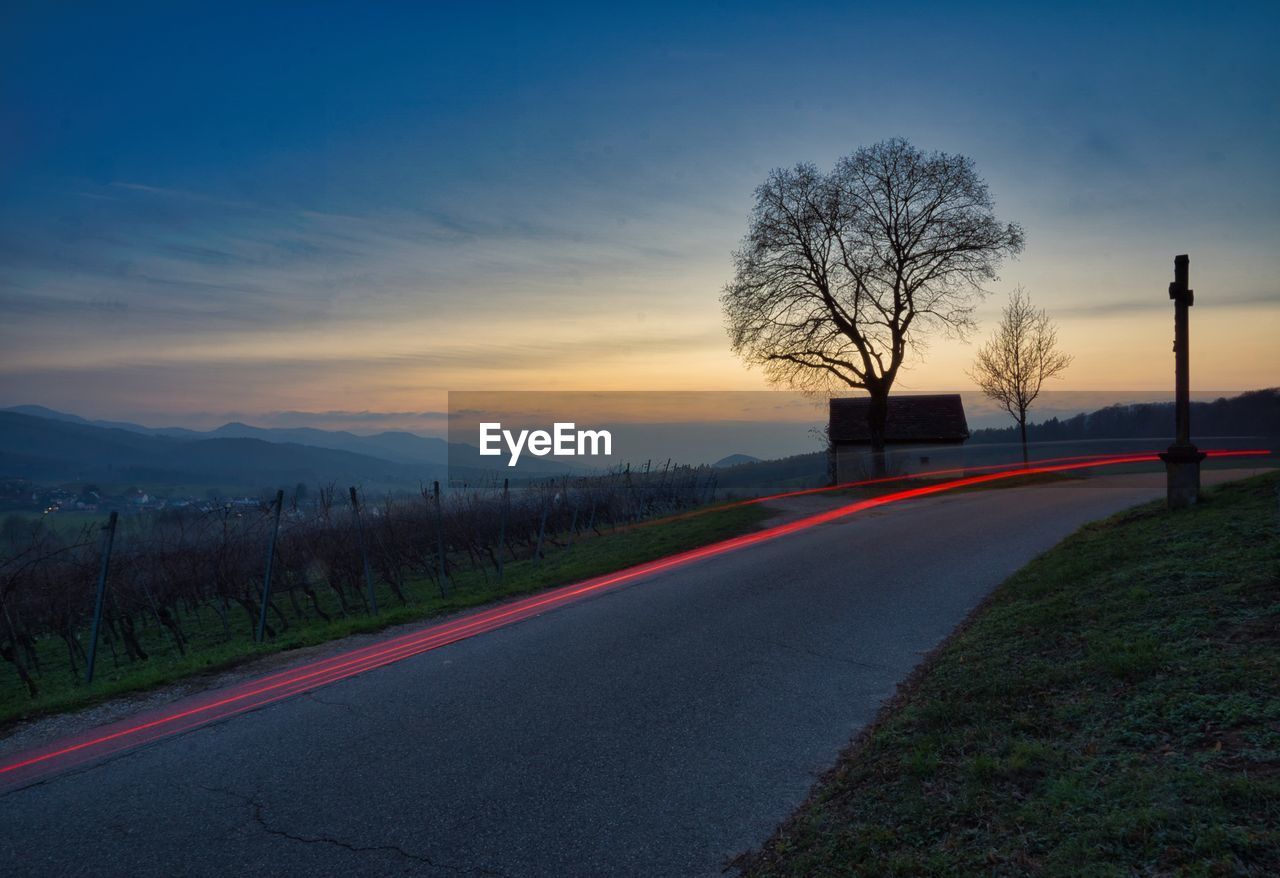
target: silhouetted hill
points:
(765, 476)
(425, 457)
(39, 411)
(1256, 413)
(398, 446)
(735, 460)
(43, 449)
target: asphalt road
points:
(654, 730)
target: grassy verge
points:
(1114, 709)
(211, 649)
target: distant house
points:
(915, 423)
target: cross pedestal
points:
(1182, 467)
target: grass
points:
(210, 650)
(1113, 709)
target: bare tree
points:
(841, 273)
(1021, 355)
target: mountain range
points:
(42, 444)
(400, 447)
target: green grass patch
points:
(211, 649)
(1114, 709)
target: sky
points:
(335, 214)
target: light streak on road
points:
(990, 467)
(189, 713)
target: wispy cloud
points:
(1153, 305)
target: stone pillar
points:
(1182, 460)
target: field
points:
(217, 637)
(1114, 709)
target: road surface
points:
(659, 729)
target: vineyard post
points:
(631, 491)
(646, 492)
(542, 529)
(271, 555)
(440, 562)
(108, 538)
(364, 553)
(502, 525)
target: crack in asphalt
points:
(136, 750)
(256, 808)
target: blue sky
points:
(230, 209)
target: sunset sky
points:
(216, 212)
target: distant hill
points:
(735, 460)
(65, 448)
(765, 476)
(393, 445)
(1256, 413)
(39, 411)
(44, 449)
(396, 446)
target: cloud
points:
(1230, 300)
(184, 262)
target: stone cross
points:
(1183, 299)
(1182, 460)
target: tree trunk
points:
(877, 416)
(1022, 427)
(310, 592)
(10, 654)
(130, 638)
(169, 621)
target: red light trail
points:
(198, 710)
(884, 480)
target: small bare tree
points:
(841, 273)
(1021, 355)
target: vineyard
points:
(184, 589)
